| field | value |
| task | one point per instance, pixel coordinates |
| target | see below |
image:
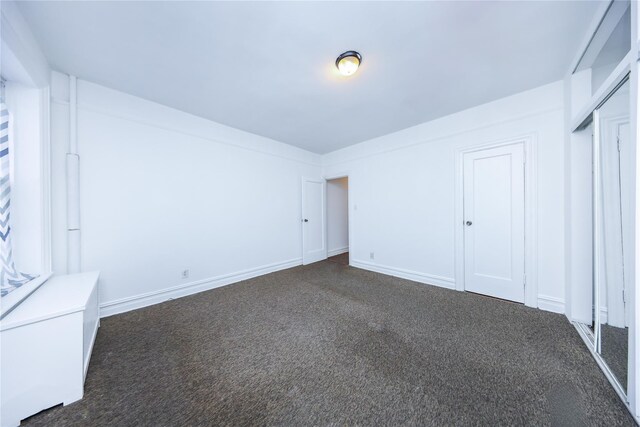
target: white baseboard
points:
(334, 252)
(138, 301)
(545, 302)
(552, 304)
(429, 279)
(604, 315)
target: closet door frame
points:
(593, 339)
(579, 106)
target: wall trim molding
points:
(338, 251)
(217, 140)
(552, 304)
(151, 298)
(185, 132)
(415, 276)
(377, 150)
(198, 126)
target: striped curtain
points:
(10, 277)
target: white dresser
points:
(45, 346)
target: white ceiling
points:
(268, 67)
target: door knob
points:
(305, 220)
(468, 223)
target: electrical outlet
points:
(185, 274)
(372, 255)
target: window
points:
(23, 205)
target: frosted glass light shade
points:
(348, 63)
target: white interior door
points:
(494, 222)
(314, 236)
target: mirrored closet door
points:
(605, 312)
(614, 156)
(603, 91)
(605, 315)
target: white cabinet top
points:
(57, 296)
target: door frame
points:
(531, 298)
(349, 208)
(324, 213)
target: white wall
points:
(403, 190)
(338, 216)
(21, 59)
(580, 306)
(163, 191)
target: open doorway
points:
(338, 220)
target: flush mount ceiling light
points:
(348, 62)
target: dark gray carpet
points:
(340, 259)
(328, 344)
